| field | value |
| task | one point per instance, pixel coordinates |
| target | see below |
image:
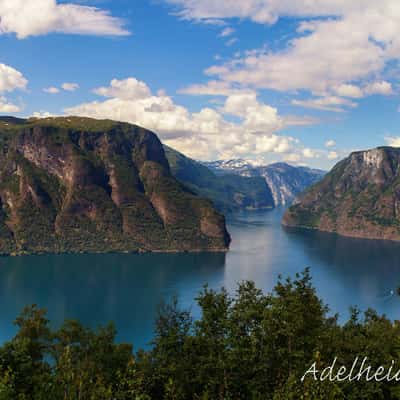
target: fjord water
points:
(127, 288)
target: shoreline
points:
(344, 235)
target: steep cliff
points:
(228, 192)
(78, 184)
(285, 181)
(360, 197)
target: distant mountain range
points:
(359, 197)
(229, 191)
(285, 181)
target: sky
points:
(300, 81)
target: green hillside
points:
(228, 192)
(83, 185)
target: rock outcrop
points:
(359, 197)
(82, 185)
(286, 181)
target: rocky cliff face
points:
(360, 197)
(285, 181)
(77, 184)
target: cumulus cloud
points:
(340, 104)
(242, 126)
(70, 86)
(378, 87)
(347, 90)
(328, 57)
(42, 114)
(67, 86)
(309, 153)
(39, 17)
(330, 143)
(11, 79)
(7, 107)
(126, 89)
(393, 141)
(256, 116)
(51, 90)
(307, 62)
(333, 155)
(381, 87)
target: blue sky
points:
(299, 81)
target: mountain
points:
(83, 185)
(235, 165)
(228, 192)
(360, 197)
(284, 180)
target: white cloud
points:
(329, 103)
(378, 87)
(239, 104)
(39, 17)
(343, 51)
(381, 87)
(333, 155)
(230, 42)
(42, 114)
(207, 134)
(330, 143)
(212, 88)
(126, 89)
(256, 116)
(70, 86)
(307, 62)
(6, 107)
(227, 32)
(393, 141)
(347, 90)
(51, 90)
(67, 86)
(309, 153)
(11, 79)
(263, 11)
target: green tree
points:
(245, 346)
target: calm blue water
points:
(127, 288)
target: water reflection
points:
(353, 271)
(98, 288)
(127, 288)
